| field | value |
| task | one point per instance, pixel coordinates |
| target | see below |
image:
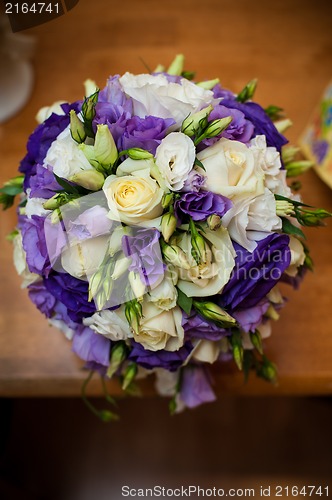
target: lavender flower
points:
(199, 206)
(196, 386)
(170, 360)
(144, 250)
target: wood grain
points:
(287, 45)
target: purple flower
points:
(200, 205)
(34, 244)
(170, 360)
(144, 249)
(240, 129)
(261, 121)
(43, 183)
(91, 346)
(91, 223)
(219, 91)
(146, 133)
(295, 281)
(73, 293)
(197, 327)
(42, 298)
(196, 386)
(41, 139)
(194, 182)
(250, 318)
(256, 273)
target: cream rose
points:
(252, 219)
(231, 169)
(210, 277)
(133, 199)
(297, 256)
(206, 351)
(160, 329)
(112, 324)
(84, 258)
(165, 294)
(175, 158)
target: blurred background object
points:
(16, 70)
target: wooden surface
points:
(287, 45)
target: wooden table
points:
(287, 45)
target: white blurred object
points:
(16, 71)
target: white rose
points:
(84, 258)
(175, 158)
(268, 157)
(252, 219)
(154, 95)
(297, 256)
(164, 295)
(133, 199)
(160, 329)
(210, 277)
(65, 157)
(231, 169)
(20, 263)
(112, 324)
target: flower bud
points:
(288, 153)
(133, 314)
(214, 222)
(168, 225)
(198, 248)
(136, 285)
(115, 241)
(88, 107)
(105, 148)
(283, 125)
(90, 87)
(176, 66)
(192, 122)
(248, 91)
(296, 168)
(313, 217)
(176, 256)
(268, 371)
(89, 179)
(272, 313)
(53, 203)
(129, 376)
(217, 126)
(118, 355)
(209, 84)
(256, 341)
(76, 128)
(120, 267)
(138, 154)
(167, 200)
(160, 68)
(284, 208)
(237, 349)
(213, 312)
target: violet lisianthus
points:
(199, 206)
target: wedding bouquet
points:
(155, 224)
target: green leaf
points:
(274, 112)
(65, 185)
(293, 202)
(184, 302)
(6, 201)
(199, 164)
(12, 235)
(289, 228)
